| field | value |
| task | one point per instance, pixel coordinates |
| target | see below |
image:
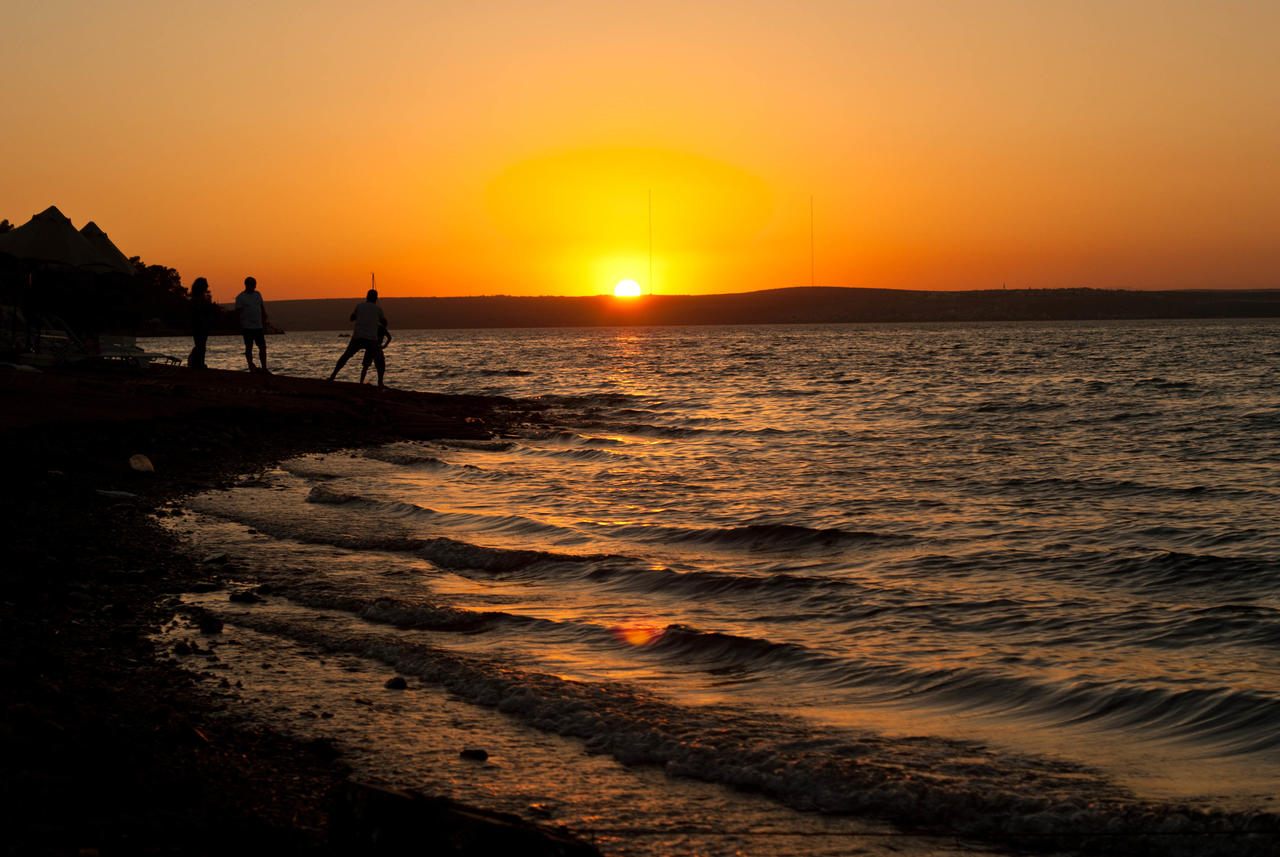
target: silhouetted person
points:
(253, 319)
(203, 313)
(375, 355)
(368, 317)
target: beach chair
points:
(124, 348)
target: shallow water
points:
(1011, 580)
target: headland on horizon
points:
(798, 305)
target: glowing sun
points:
(627, 289)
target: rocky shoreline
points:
(106, 744)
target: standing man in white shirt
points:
(253, 320)
(368, 317)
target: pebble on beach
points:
(209, 624)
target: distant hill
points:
(784, 306)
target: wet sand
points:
(106, 745)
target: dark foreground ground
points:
(106, 745)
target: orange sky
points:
(486, 147)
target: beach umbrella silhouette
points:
(107, 250)
(49, 237)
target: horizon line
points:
(641, 298)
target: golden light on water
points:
(627, 289)
(638, 635)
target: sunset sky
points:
(488, 147)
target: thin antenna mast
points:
(811, 240)
(650, 240)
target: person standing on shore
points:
(368, 317)
(203, 313)
(253, 320)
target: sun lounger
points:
(125, 349)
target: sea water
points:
(792, 589)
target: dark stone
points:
(244, 596)
(216, 559)
(209, 624)
(397, 683)
(369, 819)
(475, 754)
(322, 748)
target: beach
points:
(107, 745)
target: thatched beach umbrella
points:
(59, 271)
(49, 237)
(106, 249)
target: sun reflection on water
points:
(637, 634)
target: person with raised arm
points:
(368, 318)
